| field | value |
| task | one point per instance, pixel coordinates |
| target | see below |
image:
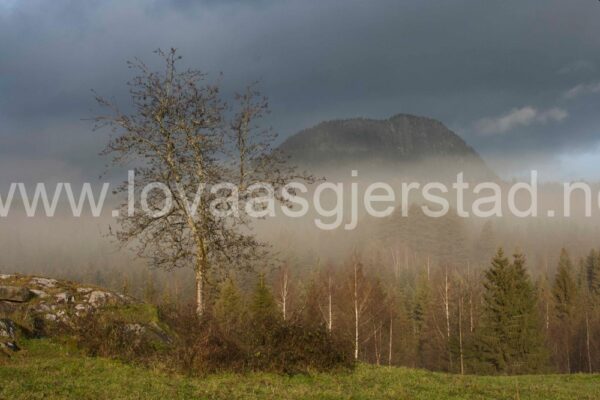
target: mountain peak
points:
(399, 140)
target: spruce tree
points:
(565, 296)
(592, 267)
(421, 302)
(265, 323)
(228, 309)
(424, 326)
(510, 338)
(564, 289)
(264, 312)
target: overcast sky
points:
(519, 80)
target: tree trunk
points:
(396, 262)
(284, 294)
(391, 338)
(428, 269)
(547, 296)
(460, 337)
(447, 315)
(471, 324)
(329, 305)
(587, 341)
(356, 313)
(568, 357)
(200, 301)
(447, 303)
(377, 342)
(470, 289)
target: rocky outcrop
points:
(37, 306)
(53, 300)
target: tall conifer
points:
(510, 338)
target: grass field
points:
(48, 370)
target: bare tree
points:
(461, 295)
(392, 303)
(460, 336)
(446, 301)
(377, 342)
(470, 289)
(284, 290)
(361, 290)
(445, 296)
(182, 134)
(395, 253)
(329, 301)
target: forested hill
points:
(402, 140)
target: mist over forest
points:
(340, 199)
(399, 256)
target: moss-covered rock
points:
(15, 294)
(42, 307)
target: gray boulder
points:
(15, 293)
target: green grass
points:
(47, 370)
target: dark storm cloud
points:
(463, 62)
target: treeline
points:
(493, 319)
(411, 298)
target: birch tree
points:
(284, 290)
(360, 290)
